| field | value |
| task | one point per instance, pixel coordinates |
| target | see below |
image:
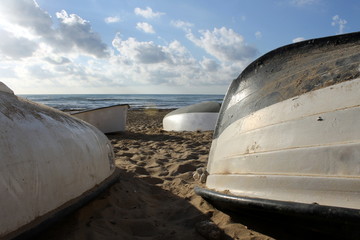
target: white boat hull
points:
(108, 119)
(190, 122)
(197, 117)
(304, 150)
(286, 142)
(48, 159)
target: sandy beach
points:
(154, 197)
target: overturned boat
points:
(287, 139)
(51, 164)
(107, 119)
(197, 117)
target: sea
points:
(79, 102)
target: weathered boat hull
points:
(196, 117)
(107, 119)
(287, 130)
(49, 162)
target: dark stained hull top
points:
(288, 72)
(197, 108)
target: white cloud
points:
(301, 3)
(298, 39)
(170, 64)
(210, 65)
(76, 32)
(16, 47)
(146, 27)
(337, 21)
(224, 44)
(186, 26)
(112, 19)
(71, 19)
(140, 52)
(179, 55)
(147, 13)
(57, 60)
(25, 20)
(27, 14)
(258, 35)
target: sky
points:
(152, 46)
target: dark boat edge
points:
(39, 225)
(319, 218)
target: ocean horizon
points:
(79, 102)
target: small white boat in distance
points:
(288, 138)
(106, 119)
(196, 117)
(50, 164)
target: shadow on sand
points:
(133, 209)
